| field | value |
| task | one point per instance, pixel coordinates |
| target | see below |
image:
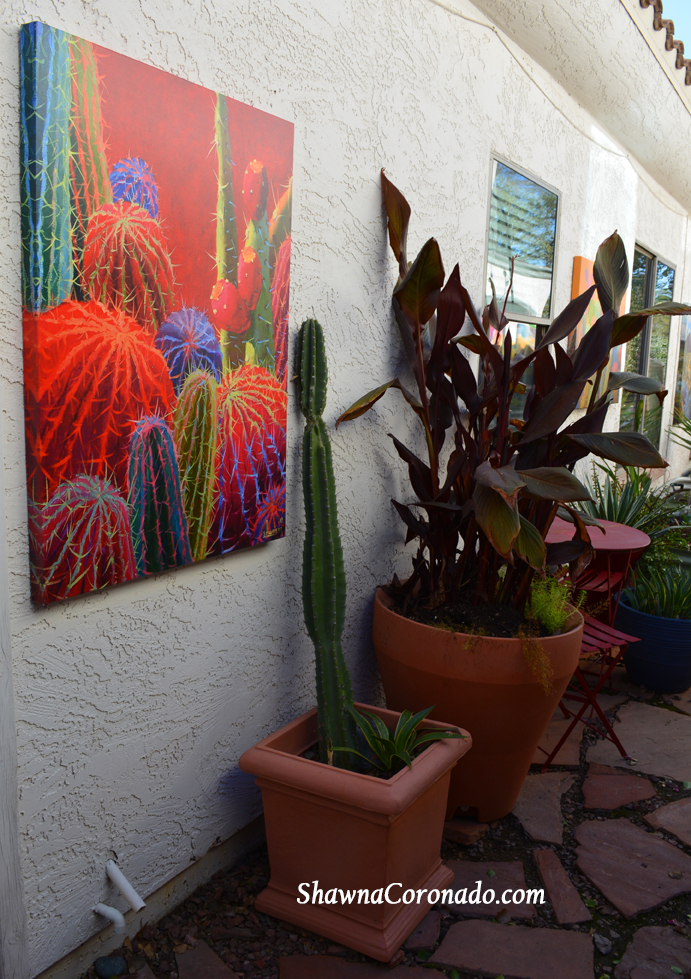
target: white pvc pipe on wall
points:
(124, 886)
(112, 914)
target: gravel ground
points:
(221, 912)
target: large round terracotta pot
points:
(482, 684)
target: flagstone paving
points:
(498, 876)
(655, 953)
(568, 907)
(329, 967)
(202, 963)
(488, 949)
(610, 788)
(464, 831)
(674, 818)
(634, 869)
(658, 740)
(426, 935)
(539, 806)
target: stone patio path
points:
(539, 808)
(656, 738)
(497, 875)
(610, 788)
(674, 818)
(655, 953)
(202, 963)
(569, 909)
(635, 870)
(488, 949)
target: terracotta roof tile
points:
(660, 23)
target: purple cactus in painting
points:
(188, 342)
(132, 180)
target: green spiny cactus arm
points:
(261, 331)
(323, 573)
(195, 427)
(226, 225)
(46, 100)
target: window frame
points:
(538, 321)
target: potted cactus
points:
(483, 505)
(330, 825)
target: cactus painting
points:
(156, 222)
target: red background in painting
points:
(169, 123)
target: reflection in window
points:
(522, 225)
(522, 344)
(682, 398)
(651, 282)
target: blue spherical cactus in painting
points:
(132, 180)
(188, 342)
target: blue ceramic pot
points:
(662, 659)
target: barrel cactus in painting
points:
(80, 540)
(127, 265)
(132, 180)
(270, 521)
(188, 342)
(195, 430)
(279, 306)
(98, 371)
(252, 450)
(159, 525)
(46, 205)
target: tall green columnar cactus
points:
(226, 224)
(91, 187)
(46, 99)
(195, 431)
(323, 574)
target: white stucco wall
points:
(134, 705)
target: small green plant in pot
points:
(480, 519)
(352, 819)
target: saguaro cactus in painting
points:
(155, 417)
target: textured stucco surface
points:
(134, 705)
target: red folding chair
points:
(602, 647)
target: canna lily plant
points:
(490, 486)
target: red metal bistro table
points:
(617, 548)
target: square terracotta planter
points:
(351, 832)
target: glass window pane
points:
(664, 283)
(639, 282)
(522, 224)
(682, 403)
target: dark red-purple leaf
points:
(589, 423)
(637, 383)
(473, 343)
(564, 365)
(463, 378)
(630, 325)
(398, 214)
(529, 545)
(488, 351)
(593, 350)
(416, 527)
(505, 480)
(565, 513)
(552, 483)
(568, 319)
(564, 552)
(418, 293)
(553, 411)
(626, 448)
(450, 318)
(420, 474)
(611, 273)
(364, 403)
(544, 372)
(498, 521)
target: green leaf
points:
(626, 448)
(590, 903)
(398, 214)
(473, 342)
(687, 785)
(552, 483)
(418, 293)
(455, 974)
(530, 546)
(611, 273)
(491, 873)
(497, 520)
(677, 971)
(423, 956)
(364, 403)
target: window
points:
(651, 282)
(522, 226)
(682, 399)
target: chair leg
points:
(592, 697)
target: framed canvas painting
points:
(156, 220)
